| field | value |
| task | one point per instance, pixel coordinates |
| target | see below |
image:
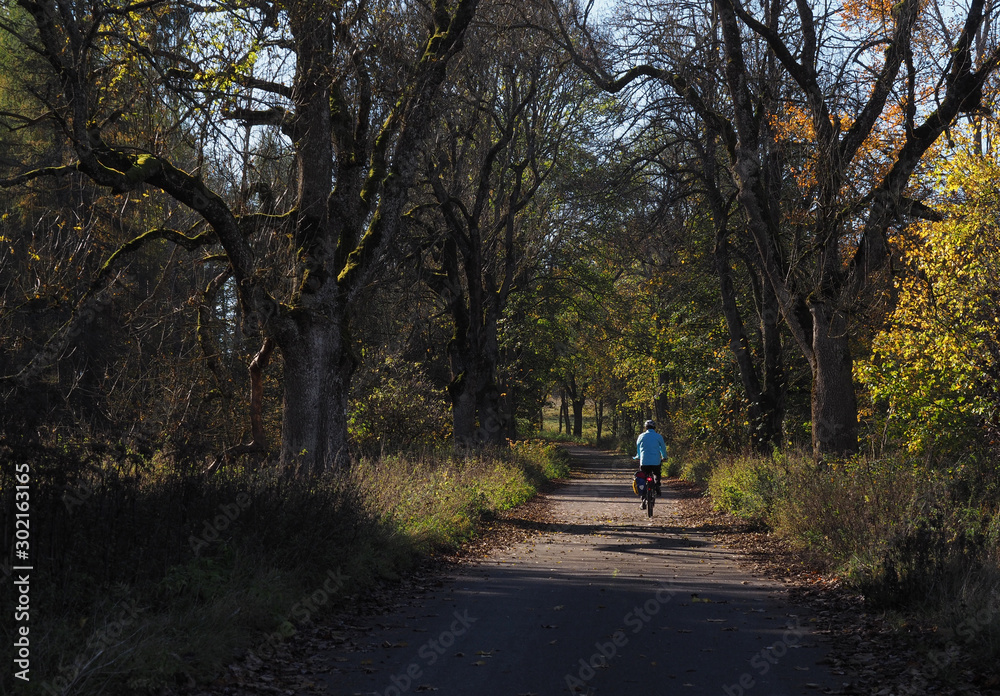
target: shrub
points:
(395, 408)
(906, 536)
(447, 495)
(945, 554)
(164, 577)
(748, 487)
(846, 511)
(692, 464)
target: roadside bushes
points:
(695, 465)
(848, 511)
(902, 535)
(146, 578)
(396, 408)
(748, 487)
(436, 502)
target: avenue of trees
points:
(289, 286)
(299, 232)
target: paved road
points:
(607, 602)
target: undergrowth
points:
(145, 578)
(909, 538)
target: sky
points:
(603, 6)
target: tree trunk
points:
(463, 409)
(577, 396)
(317, 373)
(578, 416)
(765, 402)
(599, 417)
(563, 411)
(477, 412)
(661, 405)
(493, 421)
(773, 394)
(834, 405)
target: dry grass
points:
(164, 580)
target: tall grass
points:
(436, 503)
(908, 538)
(145, 578)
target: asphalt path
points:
(607, 601)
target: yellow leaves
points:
(943, 330)
(857, 13)
(794, 124)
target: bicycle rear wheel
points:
(650, 497)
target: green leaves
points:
(934, 365)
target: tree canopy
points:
(276, 229)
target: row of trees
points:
(333, 219)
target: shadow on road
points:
(602, 600)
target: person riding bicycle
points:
(651, 450)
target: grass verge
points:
(146, 579)
(911, 540)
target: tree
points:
(851, 212)
(350, 86)
(511, 112)
(823, 252)
(935, 367)
(117, 373)
(695, 201)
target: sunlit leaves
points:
(936, 364)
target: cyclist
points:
(651, 450)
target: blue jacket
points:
(650, 448)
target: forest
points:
(264, 264)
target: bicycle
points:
(645, 486)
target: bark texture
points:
(355, 166)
